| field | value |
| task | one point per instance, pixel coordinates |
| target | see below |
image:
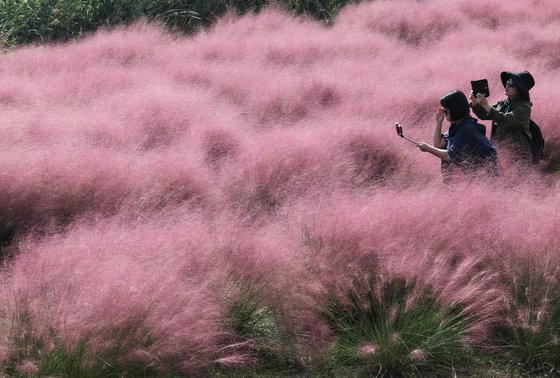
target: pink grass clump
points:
(28, 367)
(155, 295)
(139, 299)
(350, 242)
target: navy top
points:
(468, 147)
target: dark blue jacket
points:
(468, 147)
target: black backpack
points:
(537, 142)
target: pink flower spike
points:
(367, 350)
(417, 356)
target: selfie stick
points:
(398, 126)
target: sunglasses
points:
(509, 83)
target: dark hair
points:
(457, 104)
(523, 95)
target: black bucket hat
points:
(522, 80)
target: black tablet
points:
(480, 86)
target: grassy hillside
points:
(237, 203)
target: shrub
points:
(47, 20)
(531, 336)
(391, 330)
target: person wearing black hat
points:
(464, 145)
(510, 117)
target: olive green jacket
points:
(510, 124)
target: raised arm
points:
(439, 141)
(477, 109)
(518, 118)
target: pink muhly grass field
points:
(150, 182)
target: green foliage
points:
(75, 362)
(58, 362)
(26, 21)
(61, 362)
(531, 338)
(395, 331)
(256, 323)
(54, 359)
(26, 344)
(189, 15)
(320, 9)
(251, 318)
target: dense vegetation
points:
(24, 21)
(237, 202)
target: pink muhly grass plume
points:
(119, 300)
(151, 287)
(279, 169)
(28, 367)
(220, 144)
(460, 270)
(367, 350)
(51, 189)
(417, 356)
(4, 349)
(405, 25)
(238, 360)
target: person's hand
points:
(423, 146)
(440, 115)
(482, 101)
(473, 98)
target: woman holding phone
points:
(510, 117)
(464, 146)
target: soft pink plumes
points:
(149, 181)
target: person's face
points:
(511, 91)
(446, 114)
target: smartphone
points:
(480, 86)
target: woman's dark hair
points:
(457, 104)
(524, 95)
